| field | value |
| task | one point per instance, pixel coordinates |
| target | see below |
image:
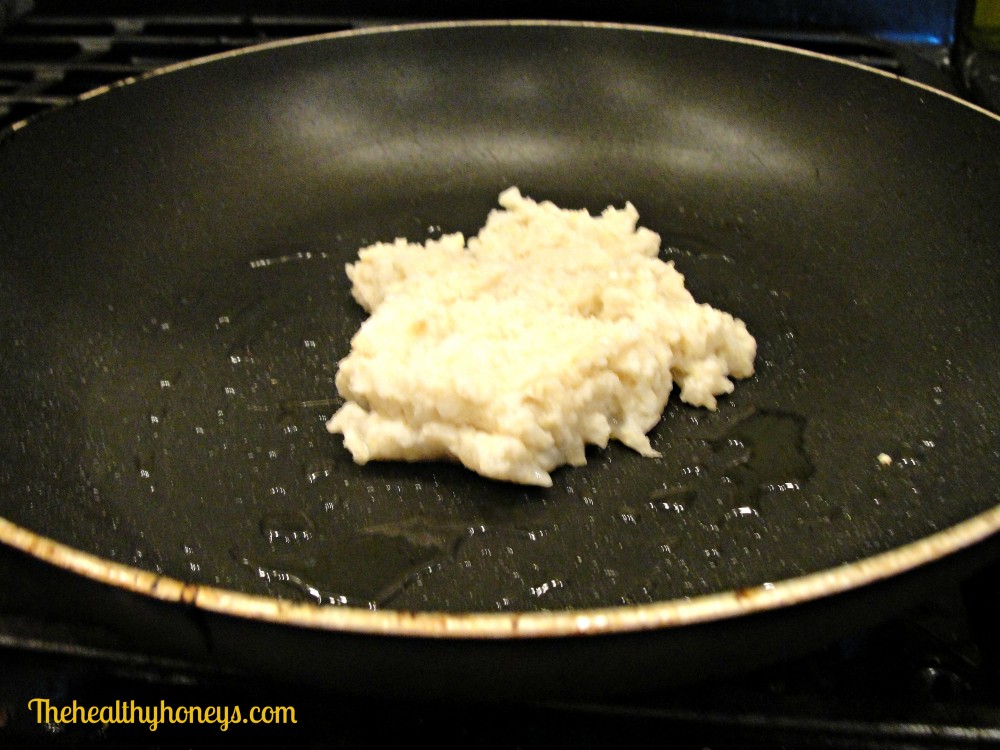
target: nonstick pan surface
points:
(174, 306)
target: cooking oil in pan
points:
(732, 488)
(761, 454)
(326, 567)
(418, 560)
(430, 536)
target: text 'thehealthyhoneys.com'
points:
(155, 716)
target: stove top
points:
(930, 677)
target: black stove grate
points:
(48, 61)
(929, 678)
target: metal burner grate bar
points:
(48, 61)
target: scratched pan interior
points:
(174, 306)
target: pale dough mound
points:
(552, 329)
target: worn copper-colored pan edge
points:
(697, 609)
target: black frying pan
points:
(174, 306)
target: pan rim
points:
(686, 611)
(494, 23)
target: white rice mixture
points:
(550, 330)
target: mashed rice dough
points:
(552, 329)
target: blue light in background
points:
(916, 37)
